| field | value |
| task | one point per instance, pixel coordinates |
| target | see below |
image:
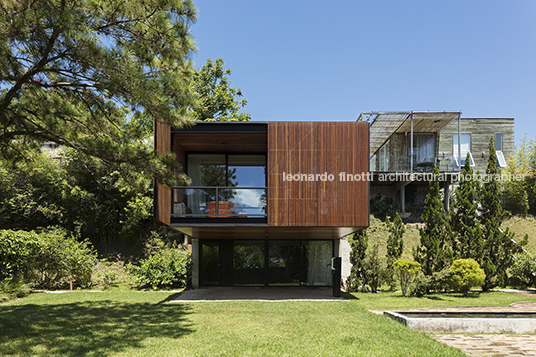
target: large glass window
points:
(225, 185)
(459, 158)
(423, 151)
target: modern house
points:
(269, 201)
(405, 146)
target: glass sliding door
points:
(284, 263)
(319, 254)
(210, 263)
(266, 262)
(249, 262)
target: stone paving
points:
(500, 345)
(491, 345)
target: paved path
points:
(256, 293)
(491, 345)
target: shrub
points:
(48, 259)
(163, 269)
(420, 285)
(407, 270)
(523, 271)
(373, 270)
(466, 273)
(13, 288)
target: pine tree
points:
(359, 243)
(499, 246)
(395, 246)
(467, 234)
(434, 253)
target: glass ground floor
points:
(265, 262)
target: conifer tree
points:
(499, 246)
(467, 231)
(359, 244)
(434, 252)
(395, 246)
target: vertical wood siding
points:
(317, 148)
(162, 142)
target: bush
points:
(407, 270)
(466, 273)
(523, 272)
(13, 288)
(373, 270)
(420, 285)
(170, 268)
(49, 259)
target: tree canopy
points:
(214, 98)
(78, 73)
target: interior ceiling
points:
(224, 142)
(384, 124)
(267, 232)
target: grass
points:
(521, 225)
(388, 301)
(131, 323)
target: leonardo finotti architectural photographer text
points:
(400, 176)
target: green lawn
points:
(130, 323)
(387, 301)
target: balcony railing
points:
(444, 162)
(218, 202)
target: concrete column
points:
(446, 201)
(403, 198)
(195, 263)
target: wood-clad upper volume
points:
(162, 194)
(318, 174)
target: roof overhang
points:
(266, 232)
(384, 124)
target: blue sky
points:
(323, 61)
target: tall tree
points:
(214, 98)
(499, 246)
(434, 252)
(75, 72)
(395, 246)
(358, 243)
(467, 234)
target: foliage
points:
(382, 206)
(467, 234)
(82, 195)
(407, 270)
(499, 246)
(466, 274)
(395, 246)
(76, 73)
(523, 271)
(358, 244)
(47, 259)
(165, 266)
(214, 98)
(373, 271)
(519, 194)
(420, 285)
(13, 288)
(434, 252)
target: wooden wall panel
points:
(317, 148)
(162, 194)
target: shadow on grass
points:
(98, 327)
(348, 296)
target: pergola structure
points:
(384, 124)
